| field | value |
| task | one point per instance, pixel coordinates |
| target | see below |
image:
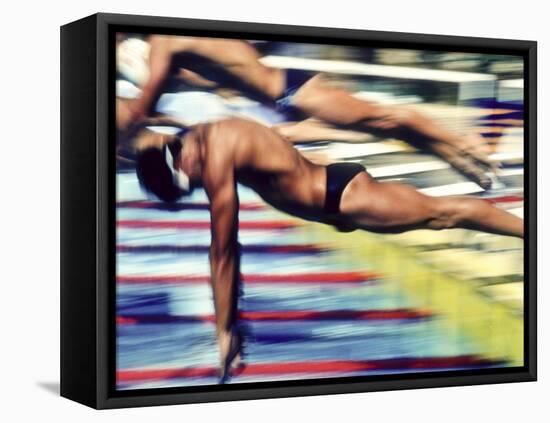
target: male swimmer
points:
(217, 63)
(218, 155)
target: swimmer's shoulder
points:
(219, 135)
(234, 137)
(235, 125)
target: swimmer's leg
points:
(394, 207)
(337, 106)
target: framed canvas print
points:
(257, 211)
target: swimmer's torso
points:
(224, 61)
(268, 164)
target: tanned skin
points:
(220, 154)
(316, 98)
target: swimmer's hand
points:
(128, 111)
(123, 114)
(229, 343)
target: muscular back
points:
(234, 57)
(264, 161)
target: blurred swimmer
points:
(216, 156)
(212, 63)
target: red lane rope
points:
(205, 224)
(180, 206)
(297, 278)
(505, 199)
(290, 315)
(309, 367)
(243, 206)
(250, 248)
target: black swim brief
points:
(295, 79)
(339, 176)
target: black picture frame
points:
(88, 211)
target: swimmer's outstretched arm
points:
(160, 57)
(127, 134)
(224, 255)
(162, 48)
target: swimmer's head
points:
(159, 171)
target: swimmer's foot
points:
(478, 169)
(478, 149)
